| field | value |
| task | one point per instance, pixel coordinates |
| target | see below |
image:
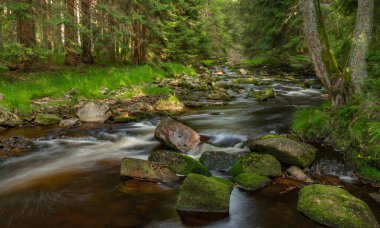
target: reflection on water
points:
(74, 181)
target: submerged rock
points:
(146, 170)
(217, 160)
(252, 181)
(177, 136)
(179, 163)
(202, 196)
(262, 164)
(335, 207)
(94, 113)
(285, 150)
(47, 119)
(263, 94)
(8, 119)
(72, 122)
(298, 174)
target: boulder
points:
(243, 71)
(94, 113)
(140, 106)
(285, 150)
(263, 94)
(220, 160)
(179, 163)
(146, 170)
(252, 181)
(219, 96)
(202, 196)
(177, 136)
(170, 105)
(47, 119)
(335, 207)
(298, 174)
(262, 164)
(72, 122)
(8, 119)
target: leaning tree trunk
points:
(26, 26)
(70, 34)
(86, 35)
(361, 40)
(325, 65)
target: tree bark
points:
(70, 34)
(86, 35)
(361, 41)
(111, 35)
(1, 29)
(325, 65)
(26, 26)
(46, 29)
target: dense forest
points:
(279, 98)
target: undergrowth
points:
(87, 82)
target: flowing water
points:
(72, 178)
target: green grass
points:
(370, 173)
(86, 82)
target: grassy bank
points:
(354, 127)
(20, 90)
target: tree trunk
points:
(26, 27)
(325, 65)
(86, 35)
(46, 29)
(70, 34)
(361, 40)
(111, 35)
(1, 30)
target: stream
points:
(72, 178)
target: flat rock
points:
(47, 119)
(262, 164)
(146, 170)
(72, 122)
(220, 160)
(287, 151)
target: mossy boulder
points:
(146, 170)
(179, 163)
(269, 136)
(177, 136)
(8, 119)
(335, 207)
(220, 160)
(246, 81)
(252, 181)
(262, 164)
(47, 119)
(202, 196)
(287, 151)
(263, 94)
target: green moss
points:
(47, 119)
(204, 194)
(335, 207)
(252, 181)
(179, 163)
(263, 164)
(263, 94)
(269, 136)
(208, 62)
(246, 81)
(369, 173)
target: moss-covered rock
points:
(146, 170)
(262, 164)
(220, 160)
(8, 119)
(179, 163)
(263, 94)
(333, 206)
(252, 181)
(171, 105)
(285, 150)
(204, 196)
(269, 136)
(246, 81)
(47, 119)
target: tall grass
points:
(86, 82)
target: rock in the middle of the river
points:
(177, 136)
